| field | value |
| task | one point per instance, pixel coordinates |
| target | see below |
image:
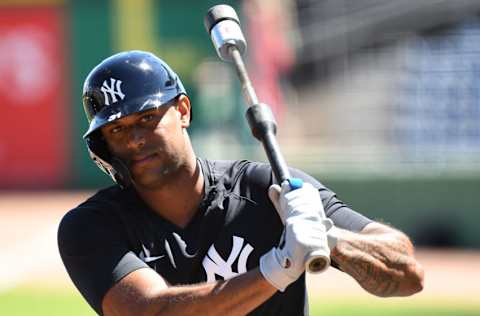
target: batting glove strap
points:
(272, 270)
(333, 233)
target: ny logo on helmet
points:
(113, 90)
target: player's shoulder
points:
(235, 171)
(253, 174)
(97, 210)
(103, 200)
(245, 178)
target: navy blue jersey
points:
(114, 233)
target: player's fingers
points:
(274, 195)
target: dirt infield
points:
(28, 226)
(29, 221)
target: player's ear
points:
(184, 108)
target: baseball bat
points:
(223, 25)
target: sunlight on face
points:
(151, 144)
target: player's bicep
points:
(135, 294)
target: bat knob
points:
(318, 264)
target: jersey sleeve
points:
(95, 252)
(339, 212)
(259, 177)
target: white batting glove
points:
(285, 200)
(283, 208)
(305, 235)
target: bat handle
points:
(263, 128)
(318, 260)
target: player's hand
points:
(305, 235)
(285, 200)
(280, 197)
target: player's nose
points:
(136, 137)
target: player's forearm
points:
(236, 296)
(380, 260)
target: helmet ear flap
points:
(121, 173)
(108, 163)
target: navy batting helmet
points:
(123, 84)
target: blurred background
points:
(378, 99)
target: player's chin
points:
(148, 182)
(150, 178)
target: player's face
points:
(152, 143)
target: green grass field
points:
(358, 307)
(43, 302)
(56, 302)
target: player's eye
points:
(116, 129)
(147, 118)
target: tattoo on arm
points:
(377, 265)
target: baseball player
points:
(182, 235)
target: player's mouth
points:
(143, 160)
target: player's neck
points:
(178, 201)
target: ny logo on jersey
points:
(214, 264)
(113, 90)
